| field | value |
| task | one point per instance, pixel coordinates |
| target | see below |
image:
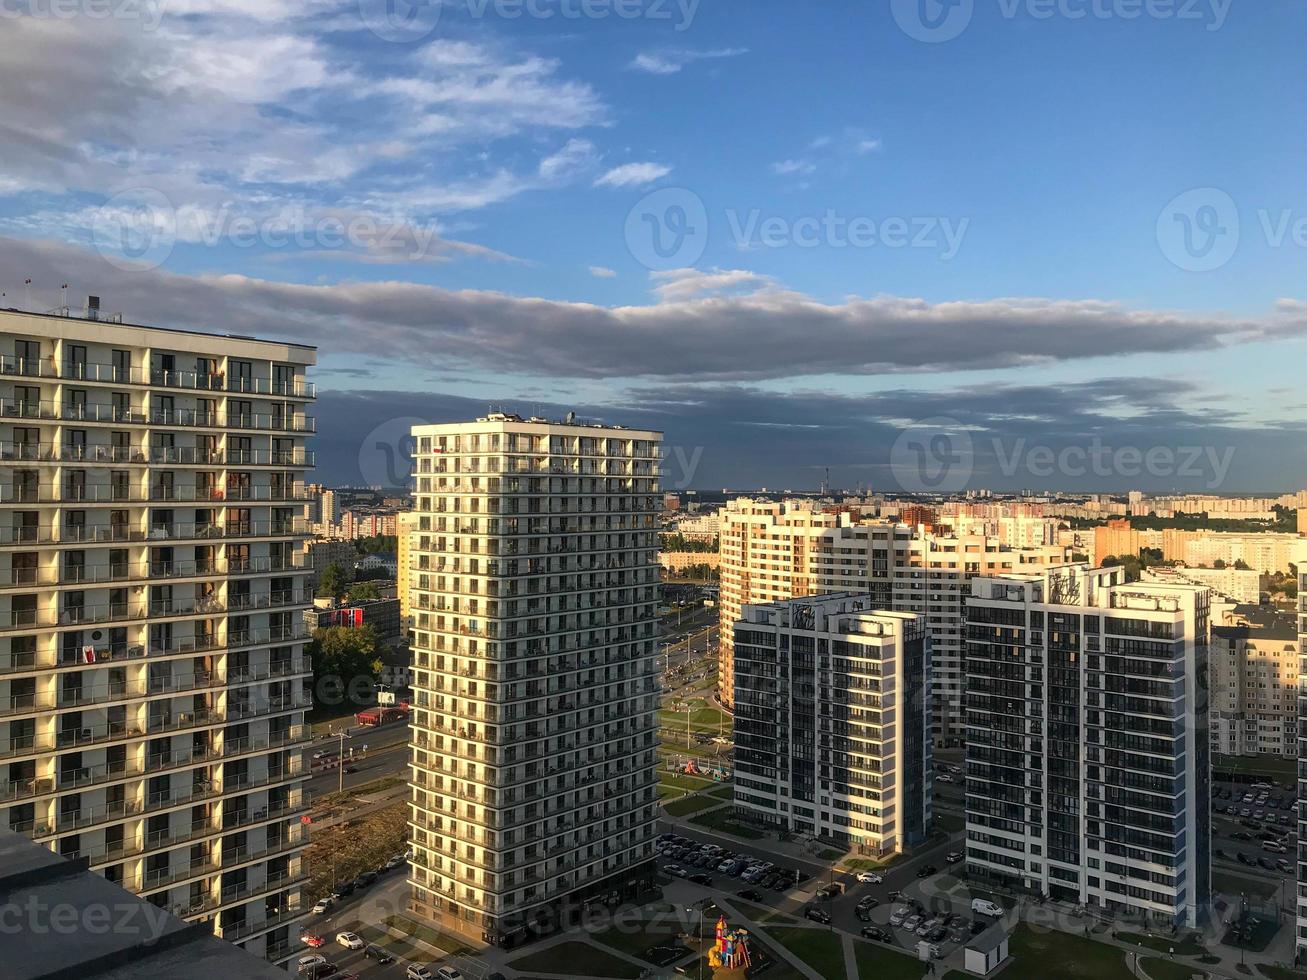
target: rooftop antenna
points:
(27, 293)
(64, 304)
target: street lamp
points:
(700, 934)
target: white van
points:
(981, 906)
(1274, 846)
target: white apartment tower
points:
(832, 721)
(152, 668)
(1301, 933)
(1087, 760)
(534, 626)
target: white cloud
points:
(679, 285)
(576, 157)
(670, 61)
(786, 168)
(602, 272)
(633, 175)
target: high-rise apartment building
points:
(534, 605)
(1087, 761)
(774, 551)
(934, 583)
(406, 526)
(152, 667)
(832, 721)
(1253, 676)
(1301, 904)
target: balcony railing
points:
(41, 452)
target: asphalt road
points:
(386, 898)
(386, 755)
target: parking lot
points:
(1250, 825)
(903, 904)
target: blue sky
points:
(880, 219)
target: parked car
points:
(952, 857)
(817, 915)
(927, 871)
(751, 895)
(378, 953)
(307, 962)
(448, 973)
(870, 878)
(350, 940)
(416, 971)
(897, 917)
(982, 906)
(675, 870)
(312, 940)
(700, 878)
(876, 933)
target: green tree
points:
(345, 660)
(362, 591)
(1242, 565)
(334, 581)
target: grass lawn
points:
(1233, 884)
(1164, 969)
(1280, 770)
(433, 937)
(1187, 946)
(634, 938)
(690, 804)
(684, 782)
(1281, 973)
(756, 912)
(819, 948)
(577, 959)
(1040, 956)
(722, 820)
(878, 963)
(726, 792)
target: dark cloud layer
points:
(765, 335)
(742, 438)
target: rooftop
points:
(73, 923)
(115, 319)
(1259, 623)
